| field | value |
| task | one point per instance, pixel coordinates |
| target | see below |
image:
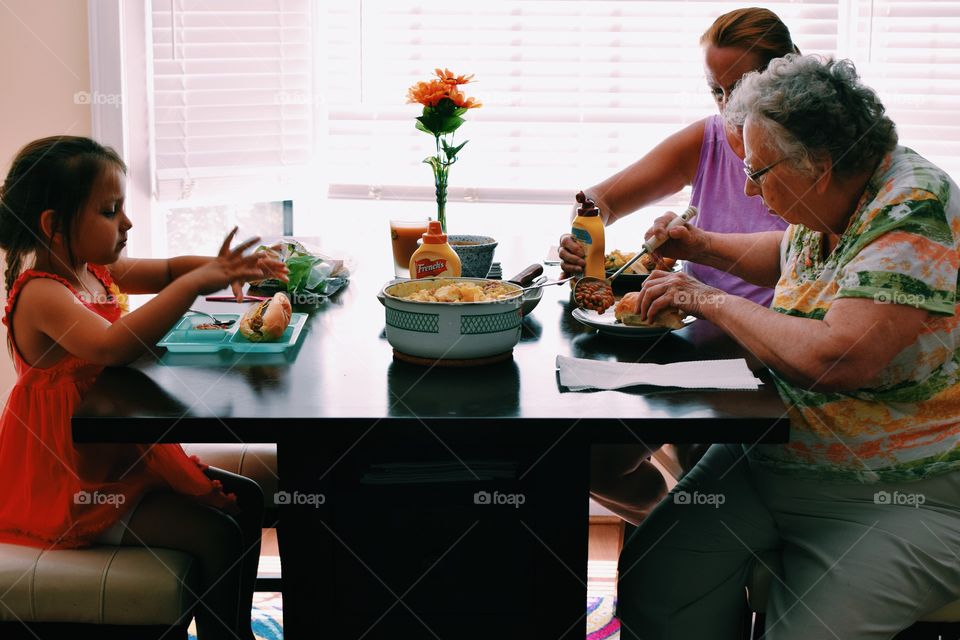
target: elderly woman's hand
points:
(571, 255)
(676, 290)
(683, 242)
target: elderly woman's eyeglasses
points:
(754, 176)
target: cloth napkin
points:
(578, 374)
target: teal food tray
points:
(183, 338)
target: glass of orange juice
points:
(404, 235)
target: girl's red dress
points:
(57, 494)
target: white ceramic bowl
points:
(475, 252)
(450, 330)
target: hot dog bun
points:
(266, 321)
(627, 311)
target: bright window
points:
(292, 100)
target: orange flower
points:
(463, 101)
(121, 298)
(431, 92)
(427, 93)
(449, 77)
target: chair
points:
(257, 462)
(127, 592)
(939, 625)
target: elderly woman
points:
(862, 505)
(707, 156)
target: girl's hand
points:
(683, 242)
(270, 267)
(571, 255)
(231, 267)
(677, 290)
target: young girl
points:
(61, 210)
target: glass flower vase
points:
(440, 173)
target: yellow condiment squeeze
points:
(588, 231)
(434, 257)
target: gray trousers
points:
(859, 562)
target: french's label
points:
(581, 235)
(427, 268)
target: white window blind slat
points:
(233, 93)
(572, 91)
(909, 52)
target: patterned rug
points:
(268, 618)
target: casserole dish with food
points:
(452, 318)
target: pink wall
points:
(45, 53)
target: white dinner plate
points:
(607, 324)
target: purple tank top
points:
(724, 208)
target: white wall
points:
(43, 45)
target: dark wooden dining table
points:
(428, 501)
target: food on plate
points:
(616, 259)
(647, 263)
(627, 311)
(595, 295)
(461, 292)
(266, 321)
(206, 326)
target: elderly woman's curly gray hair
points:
(814, 109)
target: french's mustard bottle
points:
(434, 257)
(588, 231)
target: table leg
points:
(435, 559)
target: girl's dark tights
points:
(226, 548)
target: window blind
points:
(233, 96)
(572, 90)
(909, 51)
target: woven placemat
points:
(452, 362)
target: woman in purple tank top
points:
(708, 158)
(703, 155)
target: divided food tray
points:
(184, 338)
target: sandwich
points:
(627, 311)
(266, 321)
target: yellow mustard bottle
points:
(588, 231)
(434, 257)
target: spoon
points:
(219, 323)
(546, 283)
(597, 294)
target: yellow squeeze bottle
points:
(435, 257)
(588, 231)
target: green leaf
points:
(298, 271)
(453, 151)
(450, 124)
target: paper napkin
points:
(578, 374)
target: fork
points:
(219, 323)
